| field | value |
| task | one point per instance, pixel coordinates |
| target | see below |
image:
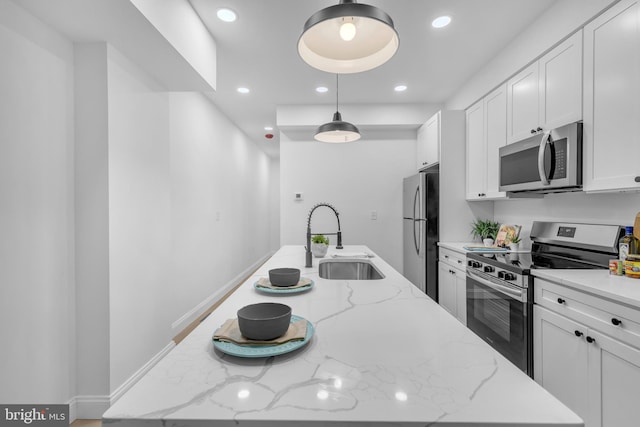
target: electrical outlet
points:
(374, 215)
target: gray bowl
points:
(284, 276)
(264, 321)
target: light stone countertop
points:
(383, 353)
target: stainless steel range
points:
(500, 286)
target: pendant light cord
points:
(337, 92)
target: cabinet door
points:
(461, 294)
(560, 362)
(522, 104)
(560, 84)
(447, 288)
(612, 99)
(476, 158)
(614, 375)
(428, 152)
(432, 135)
(495, 111)
(421, 152)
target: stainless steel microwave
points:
(549, 162)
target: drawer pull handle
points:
(561, 301)
(578, 333)
(616, 322)
(591, 340)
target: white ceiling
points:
(259, 51)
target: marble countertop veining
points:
(383, 353)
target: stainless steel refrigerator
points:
(420, 231)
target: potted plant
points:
(485, 230)
(514, 245)
(319, 245)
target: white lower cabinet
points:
(596, 374)
(452, 283)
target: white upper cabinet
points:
(486, 133)
(429, 143)
(560, 84)
(476, 152)
(548, 93)
(522, 116)
(612, 99)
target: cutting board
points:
(636, 227)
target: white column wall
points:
(139, 218)
(36, 211)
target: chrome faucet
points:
(308, 256)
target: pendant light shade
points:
(348, 38)
(337, 131)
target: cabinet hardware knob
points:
(578, 333)
(561, 301)
(446, 256)
(459, 262)
(533, 131)
(637, 179)
(591, 340)
(538, 129)
(616, 322)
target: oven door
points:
(502, 316)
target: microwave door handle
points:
(541, 151)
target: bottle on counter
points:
(628, 244)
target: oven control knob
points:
(505, 275)
(474, 264)
(488, 269)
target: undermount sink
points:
(348, 269)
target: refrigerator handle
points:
(416, 197)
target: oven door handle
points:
(513, 293)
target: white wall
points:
(558, 22)
(36, 212)
(356, 178)
(140, 293)
(110, 189)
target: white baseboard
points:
(88, 407)
(92, 407)
(184, 321)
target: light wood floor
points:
(86, 423)
(182, 335)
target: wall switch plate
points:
(374, 215)
(298, 197)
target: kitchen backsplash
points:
(599, 208)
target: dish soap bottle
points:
(628, 244)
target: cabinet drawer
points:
(453, 258)
(614, 319)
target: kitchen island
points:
(383, 353)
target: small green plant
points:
(516, 239)
(485, 229)
(319, 238)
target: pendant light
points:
(337, 131)
(348, 38)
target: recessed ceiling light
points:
(227, 15)
(400, 88)
(441, 21)
(322, 89)
(268, 128)
(243, 90)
